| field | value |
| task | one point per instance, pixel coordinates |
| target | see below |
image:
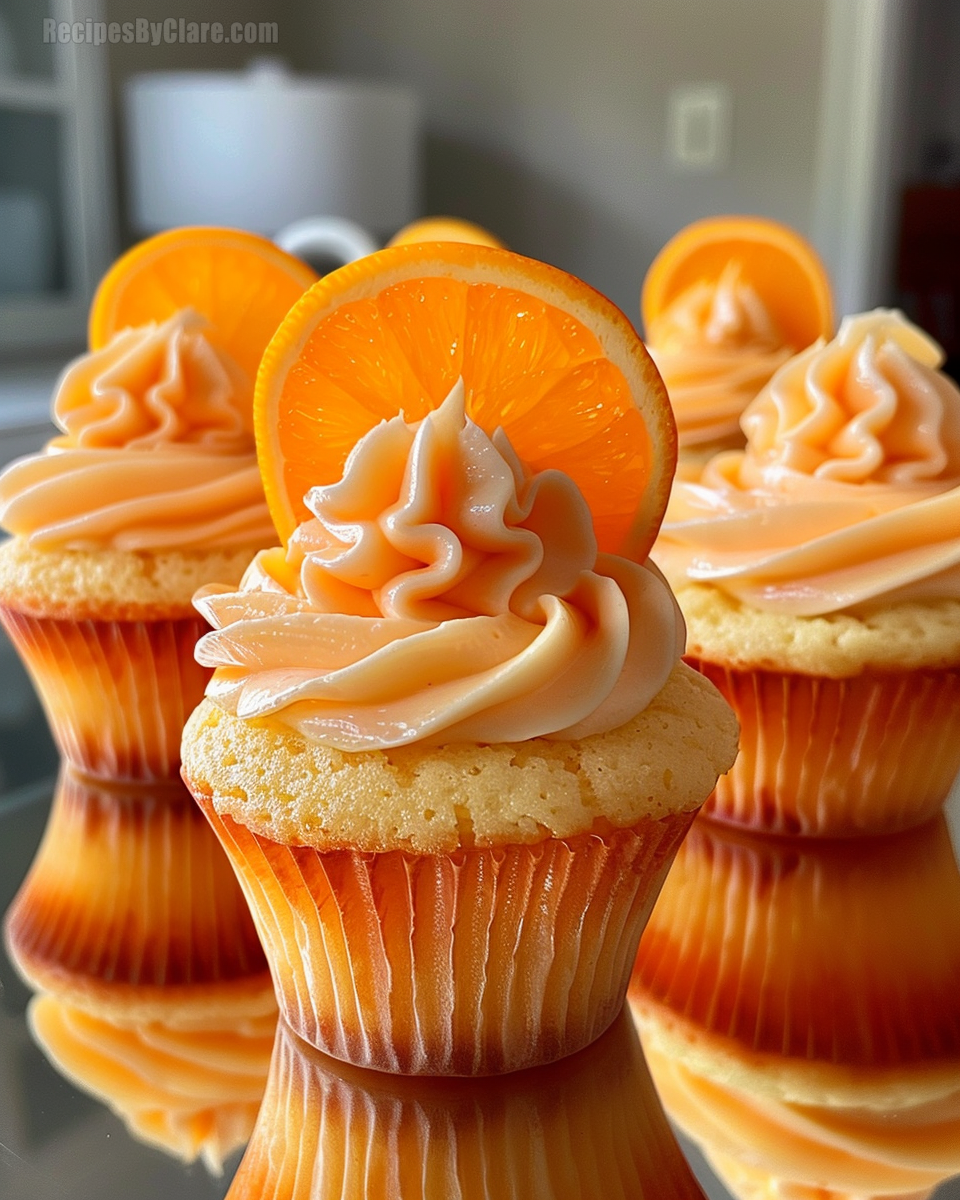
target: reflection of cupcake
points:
(131, 905)
(819, 573)
(725, 303)
(150, 491)
(450, 747)
(809, 1147)
(589, 1126)
(190, 1089)
(798, 1007)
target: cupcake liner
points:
(875, 753)
(471, 963)
(131, 899)
(588, 1126)
(780, 954)
(116, 693)
(193, 1093)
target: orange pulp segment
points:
(444, 229)
(781, 266)
(243, 284)
(541, 354)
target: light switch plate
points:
(698, 126)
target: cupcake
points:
(449, 746)
(588, 1126)
(819, 574)
(150, 490)
(797, 1003)
(725, 304)
(190, 1089)
(130, 906)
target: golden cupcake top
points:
(847, 491)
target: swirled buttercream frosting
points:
(847, 492)
(155, 452)
(716, 346)
(441, 593)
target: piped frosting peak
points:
(847, 492)
(716, 346)
(441, 592)
(156, 450)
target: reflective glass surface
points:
(796, 1004)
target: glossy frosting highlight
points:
(716, 346)
(156, 451)
(847, 490)
(441, 593)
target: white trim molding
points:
(866, 58)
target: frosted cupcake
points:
(797, 1005)
(455, 747)
(449, 743)
(150, 490)
(819, 574)
(725, 304)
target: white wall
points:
(547, 118)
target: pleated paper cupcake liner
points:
(589, 1126)
(472, 963)
(193, 1093)
(778, 954)
(116, 693)
(874, 753)
(131, 896)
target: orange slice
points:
(541, 354)
(243, 284)
(783, 268)
(445, 229)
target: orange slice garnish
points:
(444, 229)
(541, 354)
(783, 269)
(243, 284)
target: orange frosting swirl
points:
(441, 594)
(847, 492)
(156, 451)
(716, 346)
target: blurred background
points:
(584, 135)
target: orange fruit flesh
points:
(783, 269)
(243, 284)
(527, 366)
